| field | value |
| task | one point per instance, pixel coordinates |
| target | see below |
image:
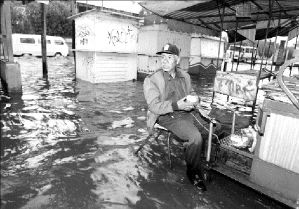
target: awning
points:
(232, 15)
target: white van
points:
(31, 44)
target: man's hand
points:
(195, 99)
(183, 104)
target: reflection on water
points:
(70, 144)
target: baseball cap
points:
(170, 49)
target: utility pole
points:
(43, 40)
(10, 70)
(74, 11)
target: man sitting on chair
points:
(166, 92)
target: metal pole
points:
(296, 39)
(240, 49)
(275, 48)
(219, 46)
(74, 11)
(260, 72)
(234, 122)
(209, 142)
(265, 41)
(235, 43)
(255, 50)
(252, 54)
(8, 30)
(266, 64)
(256, 53)
(43, 40)
(291, 66)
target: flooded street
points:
(70, 144)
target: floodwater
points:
(70, 144)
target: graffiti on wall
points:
(121, 35)
(83, 34)
(236, 85)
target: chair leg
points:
(206, 166)
(209, 148)
(143, 143)
(169, 150)
(158, 134)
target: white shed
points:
(204, 54)
(151, 40)
(106, 46)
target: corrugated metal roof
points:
(227, 14)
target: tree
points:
(57, 22)
(19, 22)
(27, 18)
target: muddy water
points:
(69, 144)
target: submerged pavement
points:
(70, 144)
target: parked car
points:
(31, 44)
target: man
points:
(166, 93)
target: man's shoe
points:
(199, 183)
(196, 179)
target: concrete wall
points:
(11, 76)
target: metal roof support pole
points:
(291, 66)
(267, 56)
(252, 64)
(252, 53)
(260, 72)
(277, 29)
(265, 40)
(238, 61)
(6, 31)
(74, 12)
(221, 19)
(296, 40)
(268, 52)
(219, 42)
(255, 51)
(234, 43)
(296, 45)
(240, 49)
(286, 49)
(43, 40)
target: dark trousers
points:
(190, 131)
